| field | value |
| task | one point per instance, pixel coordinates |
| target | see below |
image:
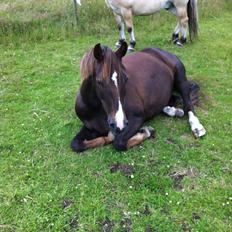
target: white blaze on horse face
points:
(196, 127)
(114, 79)
(119, 116)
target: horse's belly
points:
(138, 7)
(150, 7)
(116, 8)
(157, 99)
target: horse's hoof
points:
(149, 131)
(172, 111)
(118, 45)
(130, 49)
(178, 43)
(179, 113)
(175, 38)
(77, 146)
(199, 132)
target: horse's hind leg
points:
(175, 35)
(144, 133)
(184, 88)
(127, 16)
(182, 26)
(121, 29)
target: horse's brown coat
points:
(145, 81)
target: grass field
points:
(171, 183)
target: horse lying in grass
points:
(118, 95)
(185, 10)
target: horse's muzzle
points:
(114, 128)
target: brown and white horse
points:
(185, 10)
(117, 95)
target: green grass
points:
(44, 186)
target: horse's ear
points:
(122, 50)
(97, 52)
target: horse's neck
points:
(88, 92)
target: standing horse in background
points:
(118, 95)
(185, 10)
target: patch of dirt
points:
(178, 176)
(186, 227)
(107, 225)
(73, 223)
(170, 141)
(195, 217)
(126, 225)
(66, 203)
(126, 170)
(149, 229)
(146, 211)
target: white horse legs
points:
(181, 27)
(196, 127)
(121, 29)
(127, 18)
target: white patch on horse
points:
(114, 79)
(196, 127)
(172, 111)
(119, 116)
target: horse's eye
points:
(99, 82)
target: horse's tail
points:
(193, 18)
(194, 92)
(177, 100)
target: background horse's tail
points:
(193, 18)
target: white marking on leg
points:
(119, 116)
(132, 40)
(172, 111)
(122, 32)
(132, 36)
(196, 127)
(177, 29)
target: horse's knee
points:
(129, 29)
(184, 21)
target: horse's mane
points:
(87, 65)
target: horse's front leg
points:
(127, 16)
(78, 144)
(121, 29)
(132, 135)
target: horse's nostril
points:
(113, 126)
(117, 130)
